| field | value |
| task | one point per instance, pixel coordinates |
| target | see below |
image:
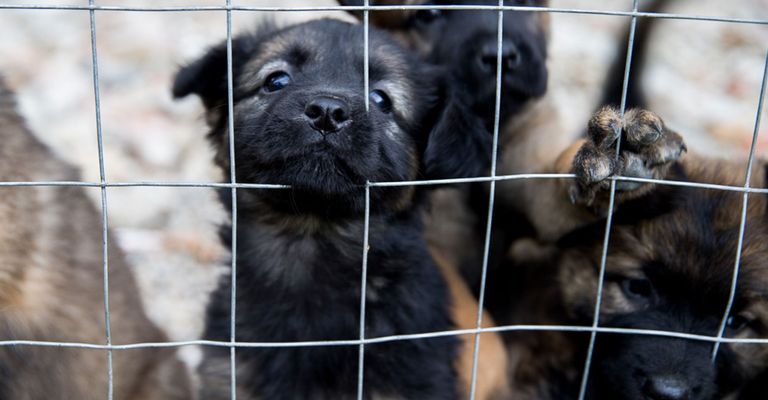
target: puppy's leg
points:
(492, 380)
(648, 150)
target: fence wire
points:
(104, 213)
(492, 179)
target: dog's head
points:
(300, 116)
(674, 273)
(466, 41)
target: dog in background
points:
(669, 267)
(300, 119)
(51, 287)
(465, 42)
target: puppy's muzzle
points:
(511, 58)
(327, 114)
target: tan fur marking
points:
(492, 381)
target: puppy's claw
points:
(604, 128)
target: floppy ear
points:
(207, 76)
(459, 145)
(384, 19)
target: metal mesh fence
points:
(93, 9)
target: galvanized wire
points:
(609, 219)
(367, 217)
(745, 203)
(432, 182)
(233, 185)
(104, 214)
(491, 199)
(233, 180)
(391, 338)
(554, 10)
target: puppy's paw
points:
(647, 150)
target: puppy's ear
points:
(459, 145)
(207, 76)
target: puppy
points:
(51, 287)
(670, 265)
(300, 119)
(466, 43)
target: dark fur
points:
(467, 42)
(300, 250)
(51, 287)
(669, 267)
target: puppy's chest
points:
(302, 278)
(310, 265)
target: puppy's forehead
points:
(332, 46)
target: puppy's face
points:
(300, 113)
(467, 43)
(673, 274)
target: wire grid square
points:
(92, 8)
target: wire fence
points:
(93, 9)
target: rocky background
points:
(702, 77)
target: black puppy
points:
(300, 119)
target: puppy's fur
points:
(300, 250)
(51, 287)
(669, 267)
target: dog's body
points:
(669, 267)
(300, 251)
(51, 288)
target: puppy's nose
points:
(510, 56)
(667, 387)
(327, 114)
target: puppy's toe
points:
(592, 165)
(642, 128)
(648, 136)
(605, 128)
(665, 151)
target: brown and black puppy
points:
(300, 119)
(670, 265)
(51, 288)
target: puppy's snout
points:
(327, 114)
(666, 387)
(510, 56)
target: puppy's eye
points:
(427, 16)
(637, 288)
(741, 321)
(381, 101)
(277, 81)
